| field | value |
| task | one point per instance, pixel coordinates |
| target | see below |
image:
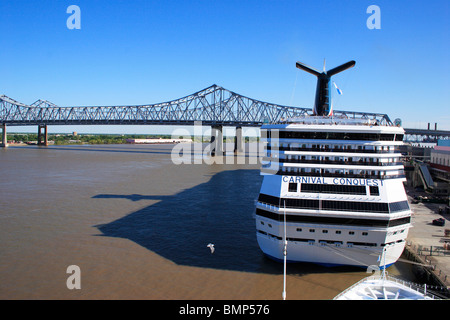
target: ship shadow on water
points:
(221, 211)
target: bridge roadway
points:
(214, 106)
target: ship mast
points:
(284, 254)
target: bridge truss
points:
(213, 106)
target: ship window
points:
(400, 221)
(299, 229)
(351, 232)
(312, 230)
(338, 232)
(363, 244)
(339, 136)
(398, 206)
(374, 191)
(292, 187)
(354, 206)
(324, 231)
(330, 242)
(334, 221)
(334, 205)
(340, 189)
(300, 240)
(364, 233)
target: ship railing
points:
(359, 163)
(267, 205)
(269, 148)
(413, 286)
(416, 287)
(343, 117)
(433, 251)
(340, 175)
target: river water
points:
(137, 226)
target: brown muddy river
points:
(137, 226)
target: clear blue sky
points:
(142, 51)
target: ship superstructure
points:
(338, 185)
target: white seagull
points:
(211, 246)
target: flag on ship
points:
(338, 90)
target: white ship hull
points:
(330, 255)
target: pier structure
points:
(217, 140)
(238, 141)
(41, 135)
(428, 243)
(217, 147)
(4, 142)
(214, 106)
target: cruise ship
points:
(332, 190)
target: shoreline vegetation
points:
(74, 138)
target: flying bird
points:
(211, 246)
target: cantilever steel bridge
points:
(212, 106)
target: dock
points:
(428, 244)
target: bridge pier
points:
(216, 140)
(4, 143)
(238, 141)
(40, 142)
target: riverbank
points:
(425, 242)
(76, 138)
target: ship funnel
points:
(322, 104)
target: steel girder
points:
(212, 106)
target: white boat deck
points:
(388, 288)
